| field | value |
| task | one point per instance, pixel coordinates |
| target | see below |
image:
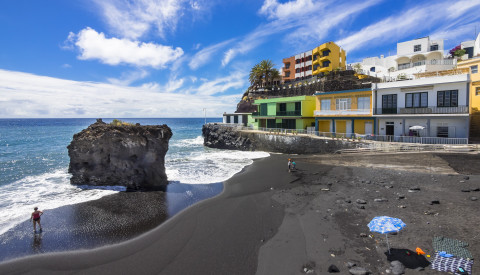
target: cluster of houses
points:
(421, 93)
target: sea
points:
(34, 163)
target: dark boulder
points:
(126, 155)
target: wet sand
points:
(270, 221)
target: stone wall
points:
(226, 137)
(125, 155)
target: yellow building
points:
(474, 65)
(345, 112)
(328, 57)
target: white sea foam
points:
(47, 191)
(192, 142)
(209, 166)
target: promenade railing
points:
(353, 136)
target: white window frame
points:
(325, 104)
(363, 103)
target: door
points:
(390, 128)
(368, 128)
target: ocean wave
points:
(47, 191)
(192, 142)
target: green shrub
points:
(117, 122)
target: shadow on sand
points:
(407, 257)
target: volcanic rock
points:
(126, 155)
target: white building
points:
(414, 56)
(437, 106)
(303, 65)
(236, 118)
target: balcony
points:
(348, 112)
(422, 110)
(278, 114)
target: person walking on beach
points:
(289, 165)
(36, 219)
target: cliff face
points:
(126, 155)
(225, 137)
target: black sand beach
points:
(270, 221)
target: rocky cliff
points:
(127, 155)
(227, 137)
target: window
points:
(417, 48)
(315, 57)
(287, 66)
(434, 48)
(372, 69)
(263, 109)
(235, 119)
(474, 69)
(315, 67)
(447, 98)
(326, 63)
(477, 91)
(326, 53)
(442, 131)
(297, 61)
(389, 104)
(325, 104)
(287, 74)
(297, 70)
(282, 107)
(344, 103)
(298, 106)
(228, 119)
(416, 100)
(363, 103)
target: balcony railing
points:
(278, 113)
(423, 110)
(342, 112)
(427, 62)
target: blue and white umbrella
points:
(386, 225)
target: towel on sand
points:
(451, 246)
(451, 264)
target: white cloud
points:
(128, 78)
(171, 86)
(203, 56)
(275, 10)
(27, 95)
(236, 80)
(113, 51)
(134, 18)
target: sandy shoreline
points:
(269, 221)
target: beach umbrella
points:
(386, 225)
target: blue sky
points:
(172, 58)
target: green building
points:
(284, 112)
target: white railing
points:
(342, 112)
(352, 136)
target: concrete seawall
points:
(226, 137)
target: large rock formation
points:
(226, 137)
(126, 155)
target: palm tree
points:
(263, 74)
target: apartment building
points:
(322, 59)
(436, 106)
(414, 56)
(344, 112)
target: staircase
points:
(474, 135)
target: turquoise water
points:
(34, 163)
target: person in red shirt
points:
(36, 219)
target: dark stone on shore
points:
(359, 201)
(127, 155)
(473, 198)
(348, 201)
(333, 269)
(350, 264)
(475, 189)
(360, 207)
(414, 189)
(397, 268)
(363, 235)
(466, 190)
(434, 202)
(466, 177)
(401, 196)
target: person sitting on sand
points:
(293, 165)
(36, 219)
